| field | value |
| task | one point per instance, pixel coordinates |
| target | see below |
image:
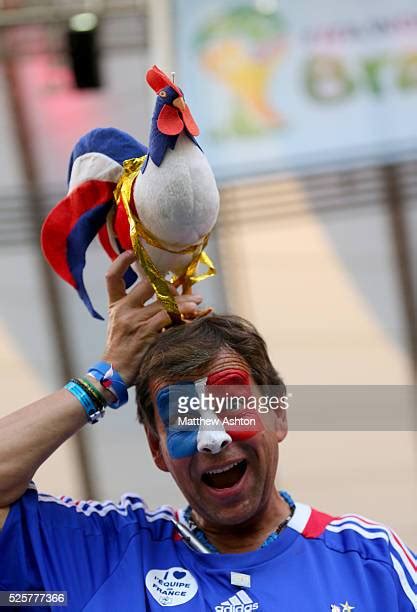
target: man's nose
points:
(212, 440)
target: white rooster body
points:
(178, 202)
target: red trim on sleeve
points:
(317, 523)
(176, 536)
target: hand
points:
(131, 325)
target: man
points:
(239, 546)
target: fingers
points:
(159, 321)
(173, 288)
(189, 309)
(143, 291)
(197, 314)
(203, 313)
(162, 319)
(182, 301)
(116, 288)
(140, 293)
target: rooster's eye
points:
(163, 94)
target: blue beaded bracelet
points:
(93, 412)
(111, 380)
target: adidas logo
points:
(240, 602)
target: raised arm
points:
(30, 435)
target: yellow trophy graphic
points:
(242, 48)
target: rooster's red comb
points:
(158, 80)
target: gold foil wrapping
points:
(139, 233)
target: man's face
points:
(230, 485)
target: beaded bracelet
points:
(94, 410)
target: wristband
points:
(93, 411)
(92, 391)
(110, 380)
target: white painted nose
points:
(212, 439)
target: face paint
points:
(238, 377)
(180, 444)
(210, 437)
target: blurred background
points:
(307, 115)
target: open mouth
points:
(226, 477)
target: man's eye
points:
(237, 404)
(163, 94)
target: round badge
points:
(171, 587)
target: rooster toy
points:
(162, 201)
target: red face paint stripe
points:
(235, 376)
(230, 376)
(240, 435)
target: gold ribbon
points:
(162, 287)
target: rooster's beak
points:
(179, 103)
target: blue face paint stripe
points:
(180, 444)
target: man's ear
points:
(281, 426)
(155, 447)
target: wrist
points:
(106, 393)
(112, 381)
(102, 386)
(88, 396)
(124, 370)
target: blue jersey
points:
(122, 557)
